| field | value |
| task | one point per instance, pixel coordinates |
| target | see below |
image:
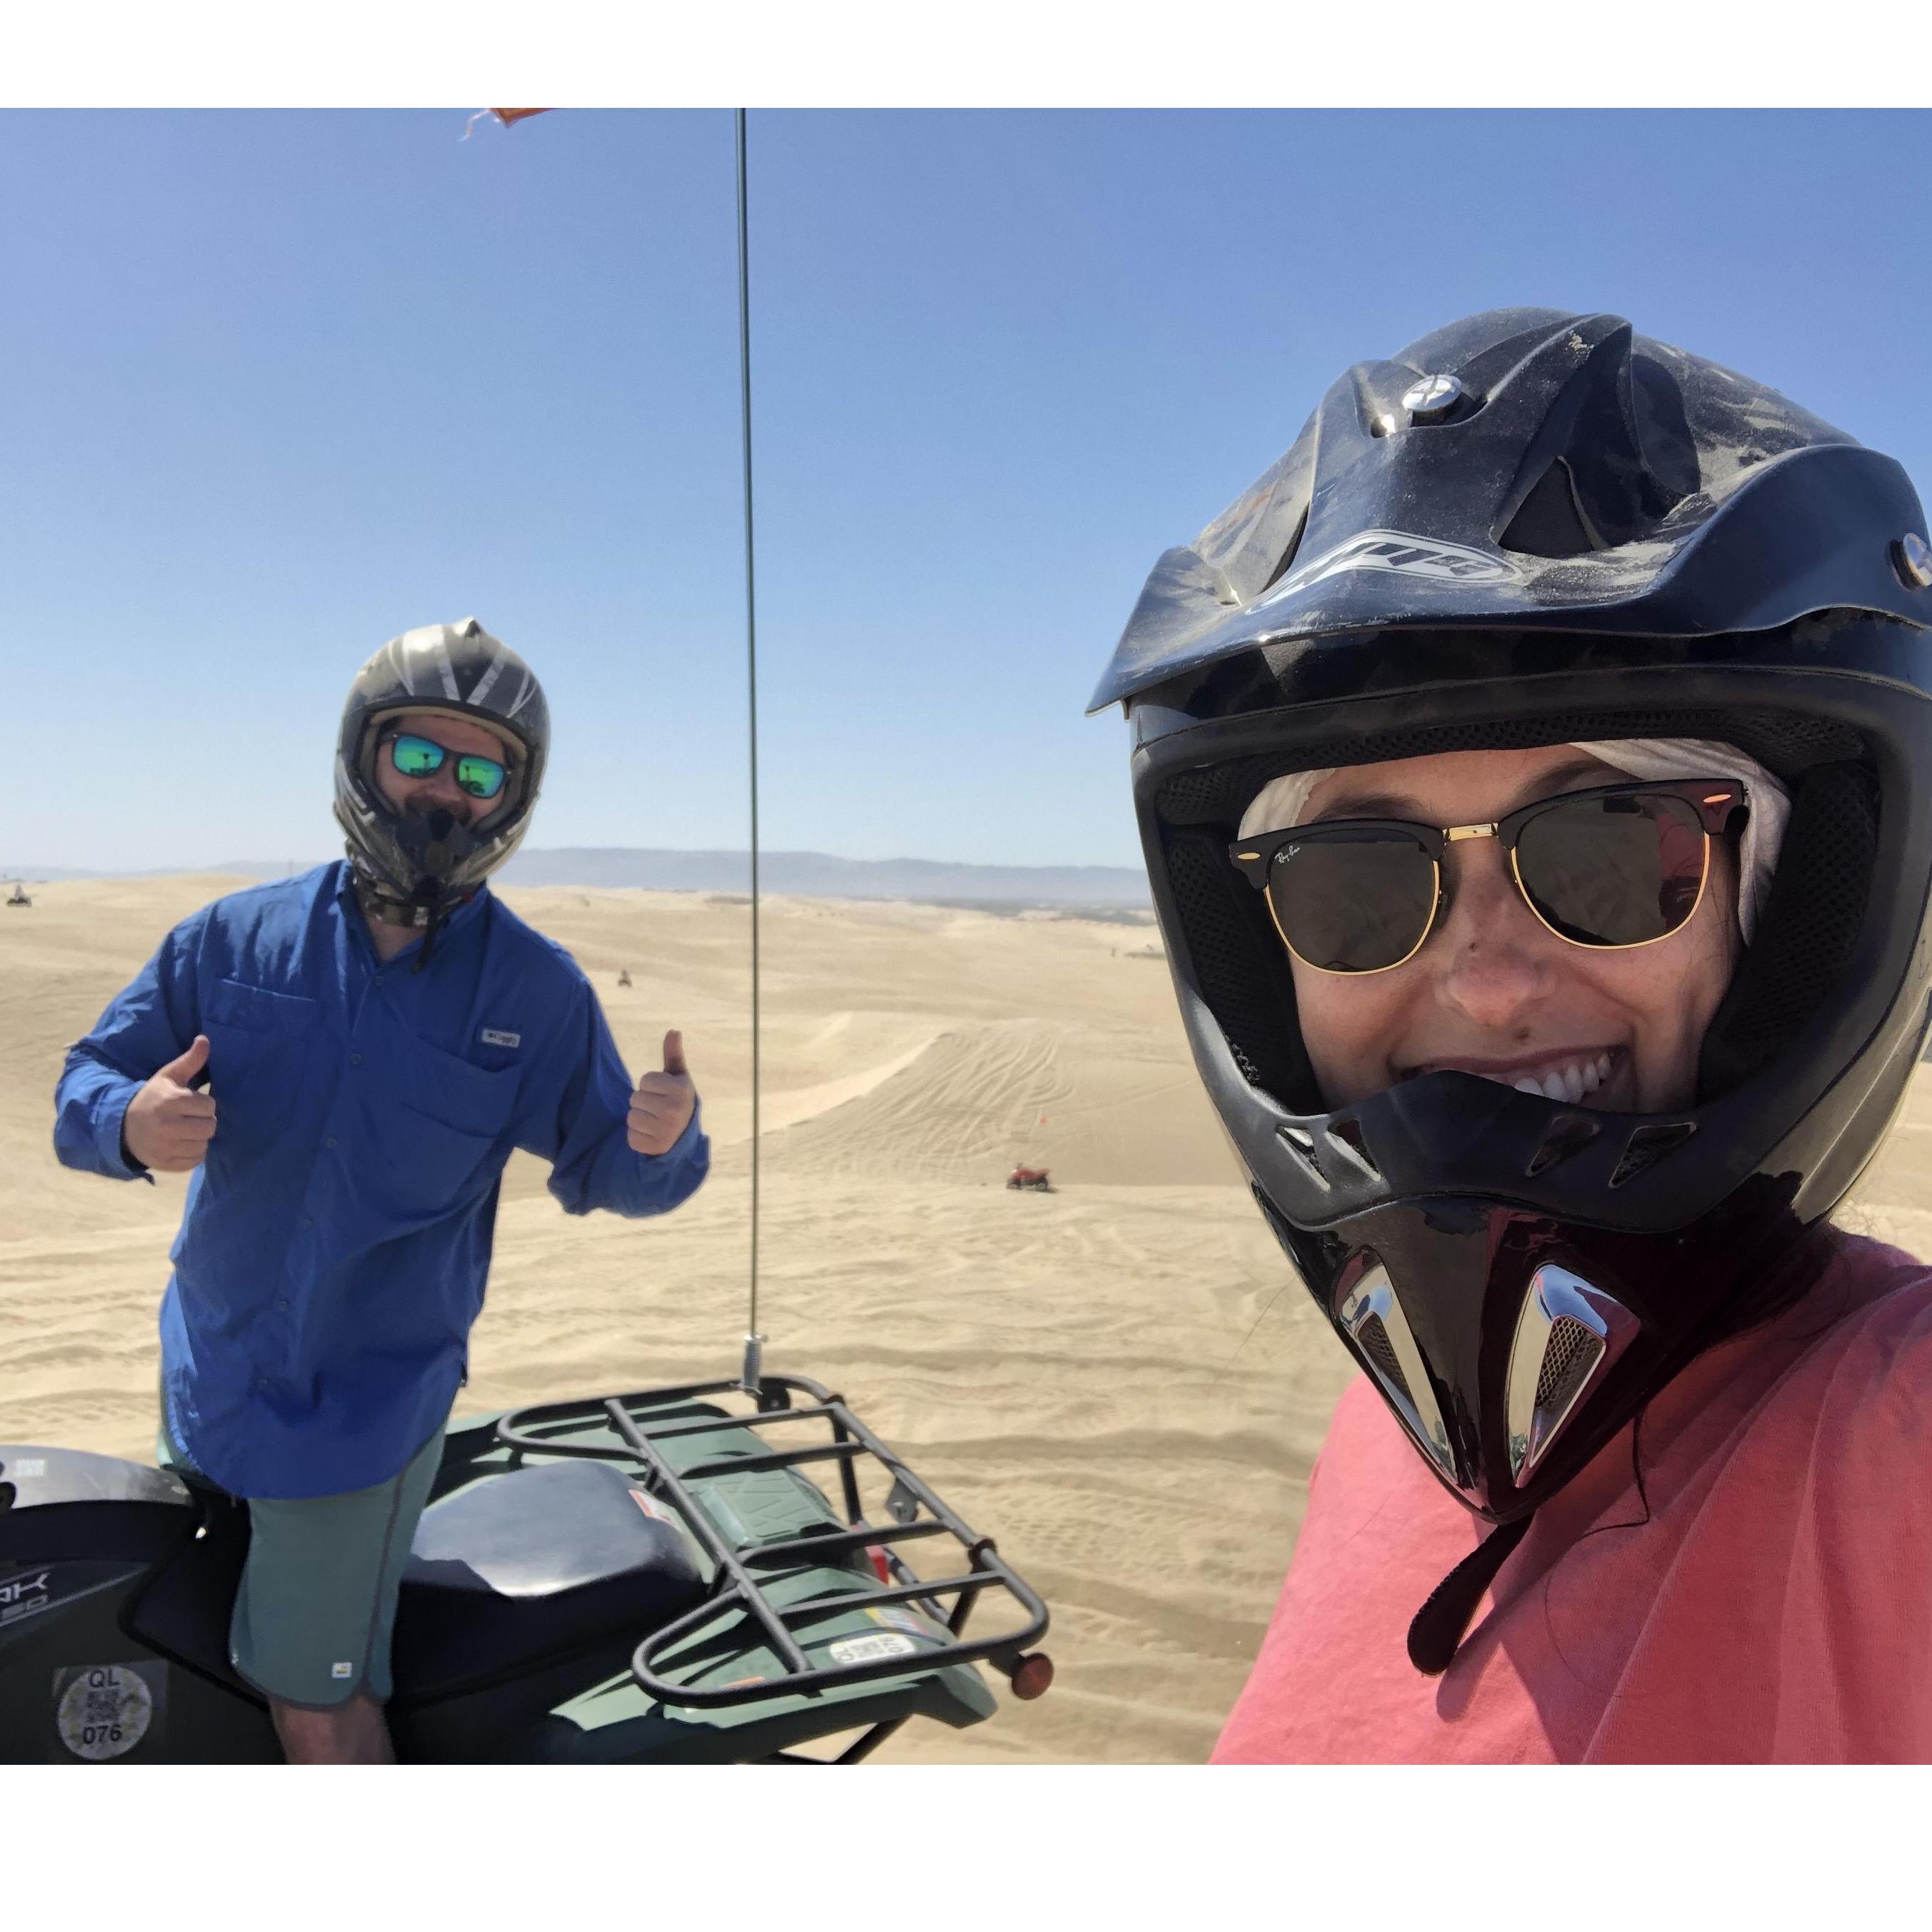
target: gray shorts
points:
(317, 1604)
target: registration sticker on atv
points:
(909, 1621)
(104, 1710)
(870, 1649)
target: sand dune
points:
(1118, 1381)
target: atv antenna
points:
(749, 1377)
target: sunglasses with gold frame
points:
(1685, 809)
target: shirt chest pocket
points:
(258, 1047)
(439, 1122)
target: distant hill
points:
(819, 875)
(807, 874)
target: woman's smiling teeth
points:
(1569, 1081)
(1570, 1077)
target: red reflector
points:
(881, 1567)
(1033, 1676)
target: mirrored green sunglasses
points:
(417, 757)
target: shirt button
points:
(356, 1060)
(379, 978)
(308, 1220)
(282, 1302)
(330, 1142)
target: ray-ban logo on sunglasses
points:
(1395, 551)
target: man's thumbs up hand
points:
(661, 1108)
(168, 1126)
(183, 1068)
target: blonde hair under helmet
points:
(1279, 805)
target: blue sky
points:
(279, 385)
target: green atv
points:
(638, 1579)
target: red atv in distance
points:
(1032, 1177)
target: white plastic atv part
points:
(1568, 1335)
(1376, 1324)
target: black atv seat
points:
(534, 1564)
(504, 1576)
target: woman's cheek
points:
(1674, 1000)
(1347, 1026)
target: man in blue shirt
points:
(375, 1037)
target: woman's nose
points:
(1492, 957)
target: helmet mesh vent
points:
(1569, 1133)
(1648, 1145)
(1301, 1145)
(1812, 922)
(1569, 1355)
(1373, 1340)
(1239, 965)
(1349, 1131)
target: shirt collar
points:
(465, 914)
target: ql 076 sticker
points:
(871, 1649)
(104, 1710)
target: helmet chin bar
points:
(1512, 1347)
(1568, 1334)
(436, 842)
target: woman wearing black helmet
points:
(1533, 773)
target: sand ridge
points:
(1120, 1382)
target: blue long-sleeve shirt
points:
(336, 1241)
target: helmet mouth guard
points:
(1500, 1327)
(438, 843)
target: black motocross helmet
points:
(411, 870)
(1530, 528)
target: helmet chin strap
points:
(437, 842)
(1436, 1632)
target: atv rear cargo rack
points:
(662, 1431)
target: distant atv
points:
(1034, 1178)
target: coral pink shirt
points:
(1776, 1607)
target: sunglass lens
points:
(481, 778)
(1614, 872)
(1353, 905)
(416, 757)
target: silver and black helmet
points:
(415, 869)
